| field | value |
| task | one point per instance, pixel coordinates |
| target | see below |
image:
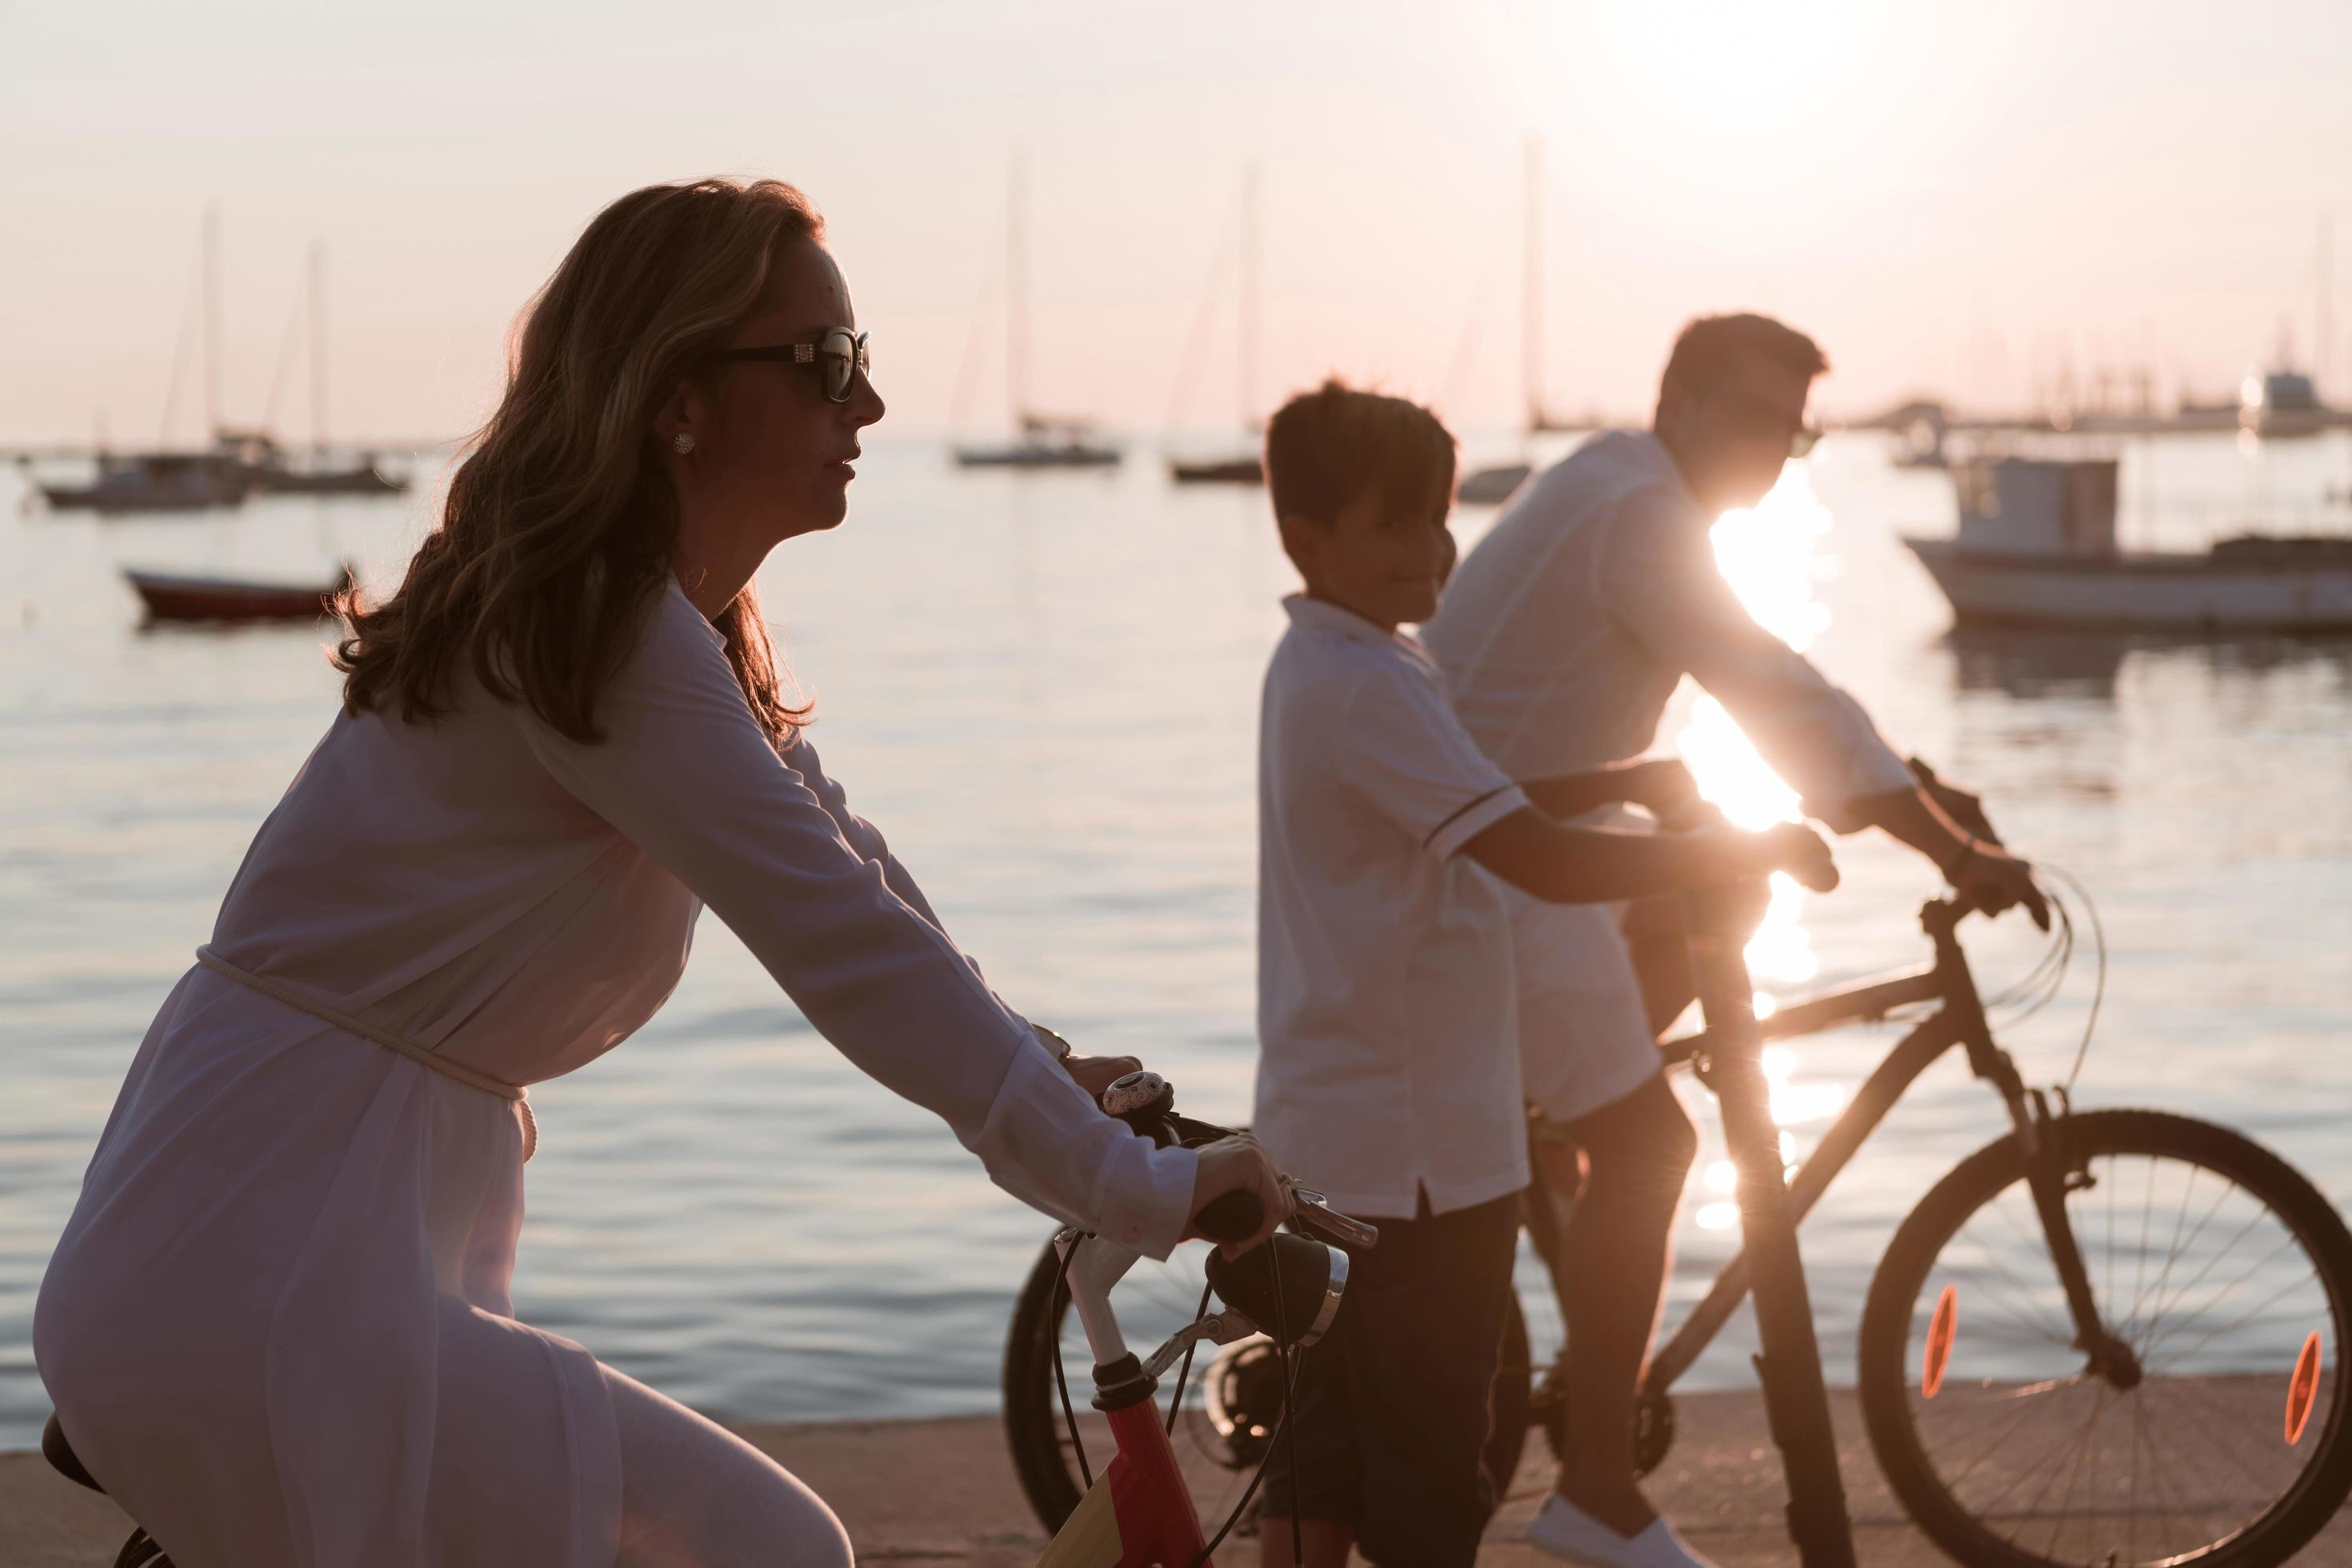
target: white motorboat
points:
(2036, 546)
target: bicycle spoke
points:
(2180, 1388)
(2163, 1281)
(2066, 1504)
(2039, 1465)
(2149, 1350)
(2110, 1229)
(2212, 1263)
(2023, 1297)
(2146, 1212)
(2001, 1440)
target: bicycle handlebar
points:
(1230, 1218)
(1147, 1103)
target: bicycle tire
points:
(1897, 1292)
(1032, 1415)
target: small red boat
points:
(170, 597)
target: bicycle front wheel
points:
(2218, 1433)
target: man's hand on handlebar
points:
(1237, 1164)
(1990, 878)
(1962, 806)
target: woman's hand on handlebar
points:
(1237, 1164)
(1096, 1074)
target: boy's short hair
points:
(1325, 448)
(1710, 352)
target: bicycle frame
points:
(1959, 1021)
(1726, 1057)
(1138, 1511)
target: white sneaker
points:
(1566, 1530)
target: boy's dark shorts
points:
(1394, 1404)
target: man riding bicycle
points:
(1563, 635)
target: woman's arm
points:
(686, 772)
(862, 835)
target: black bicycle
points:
(2109, 1337)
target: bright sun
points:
(1692, 70)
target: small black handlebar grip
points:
(1234, 1217)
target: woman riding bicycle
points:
(276, 1328)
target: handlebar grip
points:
(1234, 1217)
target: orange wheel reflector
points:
(2303, 1390)
(1940, 1330)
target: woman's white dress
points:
(276, 1326)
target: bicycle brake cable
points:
(1185, 1371)
(1289, 1398)
(1283, 1429)
(2099, 947)
(1061, 1379)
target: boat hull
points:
(175, 598)
(1219, 471)
(2174, 592)
(364, 481)
(1492, 486)
(1036, 456)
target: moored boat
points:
(1242, 470)
(170, 596)
(1044, 443)
(1492, 486)
(156, 481)
(2036, 547)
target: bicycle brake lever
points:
(1219, 1328)
(1313, 1212)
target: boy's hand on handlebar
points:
(1990, 879)
(1793, 848)
(1663, 786)
(1237, 1164)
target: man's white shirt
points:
(1390, 1061)
(1562, 637)
(1566, 630)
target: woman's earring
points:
(682, 443)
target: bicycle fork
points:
(2050, 1171)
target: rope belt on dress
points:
(468, 1076)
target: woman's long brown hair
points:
(556, 532)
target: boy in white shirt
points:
(1390, 1076)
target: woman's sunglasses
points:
(839, 357)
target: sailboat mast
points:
(318, 350)
(1531, 285)
(1245, 332)
(212, 323)
(1016, 291)
(2322, 331)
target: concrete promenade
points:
(943, 1492)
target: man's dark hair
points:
(1711, 351)
(1325, 448)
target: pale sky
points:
(1954, 196)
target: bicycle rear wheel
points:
(2224, 1439)
(1230, 1427)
